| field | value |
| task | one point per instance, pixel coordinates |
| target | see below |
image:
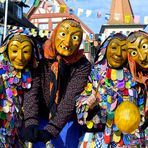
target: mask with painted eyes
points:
(138, 48)
(19, 51)
(116, 53)
(68, 37)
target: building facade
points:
(49, 13)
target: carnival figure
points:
(107, 108)
(138, 62)
(16, 57)
(50, 103)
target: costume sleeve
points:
(30, 104)
(83, 110)
(81, 103)
(67, 105)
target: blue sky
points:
(140, 7)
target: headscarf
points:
(138, 74)
(57, 66)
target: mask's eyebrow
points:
(18, 46)
(14, 45)
(25, 46)
(65, 28)
(132, 48)
(123, 45)
(140, 42)
(114, 42)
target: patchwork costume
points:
(13, 82)
(112, 87)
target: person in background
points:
(109, 95)
(138, 62)
(17, 56)
(49, 106)
(94, 47)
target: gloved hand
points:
(31, 133)
(44, 136)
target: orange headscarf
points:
(140, 76)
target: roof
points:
(31, 15)
(103, 27)
(119, 10)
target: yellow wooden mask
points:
(68, 37)
(138, 49)
(116, 52)
(19, 51)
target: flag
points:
(127, 19)
(36, 3)
(41, 33)
(88, 12)
(34, 32)
(107, 16)
(99, 14)
(145, 19)
(117, 16)
(47, 33)
(80, 11)
(53, 8)
(137, 19)
(62, 8)
(71, 11)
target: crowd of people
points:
(51, 94)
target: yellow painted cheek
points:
(27, 56)
(12, 56)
